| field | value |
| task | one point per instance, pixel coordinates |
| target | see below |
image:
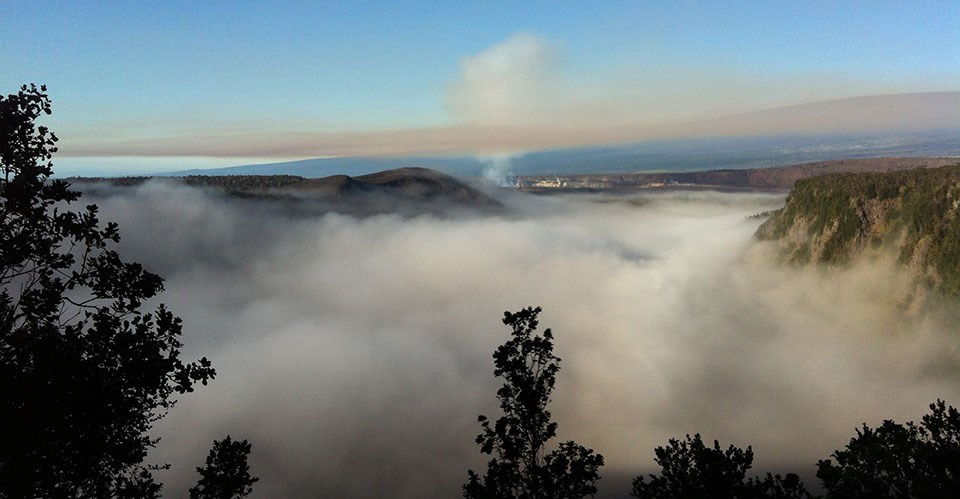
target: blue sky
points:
(169, 84)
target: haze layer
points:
(355, 354)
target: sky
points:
(175, 84)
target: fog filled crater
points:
(355, 353)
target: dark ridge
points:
(404, 190)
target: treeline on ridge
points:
(915, 213)
(229, 183)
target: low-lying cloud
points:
(355, 354)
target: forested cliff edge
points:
(913, 215)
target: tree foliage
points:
(226, 474)
(692, 470)
(916, 214)
(522, 468)
(84, 372)
(899, 461)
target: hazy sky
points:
(200, 79)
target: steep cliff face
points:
(915, 215)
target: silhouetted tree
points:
(773, 486)
(84, 373)
(899, 461)
(691, 470)
(521, 468)
(226, 474)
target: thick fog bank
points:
(355, 354)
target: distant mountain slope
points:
(835, 218)
(714, 153)
(688, 154)
(406, 190)
(774, 178)
(869, 113)
(914, 124)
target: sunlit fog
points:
(355, 353)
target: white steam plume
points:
(509, 83)
(500, 170)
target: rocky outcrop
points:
(914, 215)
